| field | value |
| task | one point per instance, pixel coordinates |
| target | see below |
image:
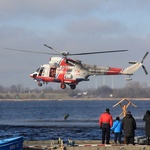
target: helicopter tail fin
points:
(131, 69)
(135, 66)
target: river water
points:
(44, 120)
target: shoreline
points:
(85, 99)
(84, 145)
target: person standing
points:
(105, 123)
(117, 130)
(129, 127)
(146, 118)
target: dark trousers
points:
(105, 134)
(117, 137)
(148, 140)
(130, 140)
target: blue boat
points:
(15, 143)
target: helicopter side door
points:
(43, 71)
(52, 72)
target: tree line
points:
(131, 90)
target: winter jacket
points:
(129, 125)
(105, 118)
(117, 126)
(146, 118)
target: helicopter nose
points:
(33, 75)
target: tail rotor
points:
(136, 65)
(144, 57)
(142, 63)
(144, 69)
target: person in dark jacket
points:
(146, 118)
(105, 123)
(117, 130)
(129, 127)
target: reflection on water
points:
(42, 120)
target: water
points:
(44, 120)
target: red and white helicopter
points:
(70, 72)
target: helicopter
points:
(67, 71)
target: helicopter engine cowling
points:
(68, 76)
(54, 61)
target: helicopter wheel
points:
(63, 86)
(73, 86)
(39, 84)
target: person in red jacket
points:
(105, 123)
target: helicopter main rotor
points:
(64, 53)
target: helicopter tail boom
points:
(132, 69)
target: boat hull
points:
(15, 143)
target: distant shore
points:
(61, 99)
(55, 96)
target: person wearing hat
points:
(105, 123)
(146, 118)
(117, 130)
(129, 127)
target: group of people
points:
(128, 125)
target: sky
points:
(73, 26)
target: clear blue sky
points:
(74, 26)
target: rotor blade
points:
(132, 62)
(66, 53)
(144, 69)
(90, 53)
(144, 57)
(52, 49)
(63, 53)
(26, 51)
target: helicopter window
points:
(70, 62)
(52, 72)
(69, 70)
(38, 70)
(41, 70)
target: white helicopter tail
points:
(131, 69)
(136, 65)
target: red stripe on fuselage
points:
(45, 79)
(113, 71)
(50, 79)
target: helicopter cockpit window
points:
(41, 70)
(69, 70)
(38, 70)
(70, 62)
